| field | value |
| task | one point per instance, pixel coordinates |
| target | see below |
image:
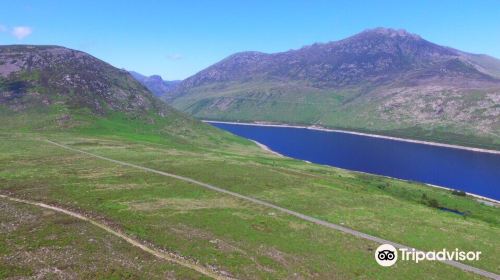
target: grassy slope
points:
(49, 245)
(244, 239)
(296, 104)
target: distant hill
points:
(54, 88)
(155, 83)
(381, 80)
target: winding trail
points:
(343, 229)
(171, 257)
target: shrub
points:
(433, 203)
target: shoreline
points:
(319, 128)
(479, 198)
(266, 148)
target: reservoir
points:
(469, 171)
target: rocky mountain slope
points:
(46, 75)
(155, 83)
(382, 80)
(54, 88)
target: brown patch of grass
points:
(184, 204)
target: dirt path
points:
(171, 257)
(347, 230)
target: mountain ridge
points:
(155, 83)
(320, 54)
(380, 80)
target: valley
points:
(106, 125)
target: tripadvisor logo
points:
(387, 255)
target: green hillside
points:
(348, 109)
(118, 119)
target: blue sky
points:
(179, 38)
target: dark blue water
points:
(452, 211)
(472, 172)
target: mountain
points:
(382, 80)
(155, 83)
(55, 88)
(49, 75)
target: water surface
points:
(469, 171)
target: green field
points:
(235, 236)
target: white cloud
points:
(174, 56)
(3, 28)
(21, 32)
